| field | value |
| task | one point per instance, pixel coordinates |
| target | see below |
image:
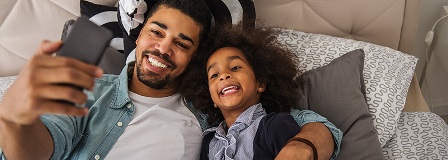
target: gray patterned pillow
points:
(326, 90)
(5, 82)
(387, 72)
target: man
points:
(136, 115)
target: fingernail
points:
(86, 111)
(99, 72)
(45, 44)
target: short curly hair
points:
(272, 64)
(198, 10)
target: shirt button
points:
(97, 157)
(119, 124)
(129, 106)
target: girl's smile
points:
(232, 82)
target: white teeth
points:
(228, 89)
(156, 63)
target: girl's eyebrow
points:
(211, 66)
(233, 57)
(230, 58)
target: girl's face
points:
(231, 80)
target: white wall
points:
(437, 75)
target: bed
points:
(386, 105)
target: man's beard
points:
(149, 79)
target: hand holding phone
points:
(86, 42)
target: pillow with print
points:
(387, 72)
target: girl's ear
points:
(261, 87)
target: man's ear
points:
(136, 41)
(261, 87)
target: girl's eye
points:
(235, 68)
(213, 76)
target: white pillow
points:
(387, 72)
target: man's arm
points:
(315, 132)
(37, 91)
(319, 131)
(23, 142)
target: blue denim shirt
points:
(93, 136)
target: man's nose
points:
(163, 47)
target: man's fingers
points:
(55, 62)
(49, 48)
(62, 93)
(64, 75)
(59, 107)
(89, 69)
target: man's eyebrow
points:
(181, 35)
(184, 37)
(161, 25)
(228, 59)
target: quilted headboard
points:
(384, 22)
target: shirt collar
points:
(250, 114)
(122, 96)
(246, 118)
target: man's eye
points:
(213, 76)
(235, 68)
(156, 33)
(182, 45)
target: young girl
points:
(248, 79)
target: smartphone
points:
(86, 41)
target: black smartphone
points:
(86, 41)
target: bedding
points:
(387, 73)
(419, 135)
(5, 82)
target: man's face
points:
(165, 46)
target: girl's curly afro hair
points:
(272, 64)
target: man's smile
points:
(156, 63)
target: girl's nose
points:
(225, 76)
